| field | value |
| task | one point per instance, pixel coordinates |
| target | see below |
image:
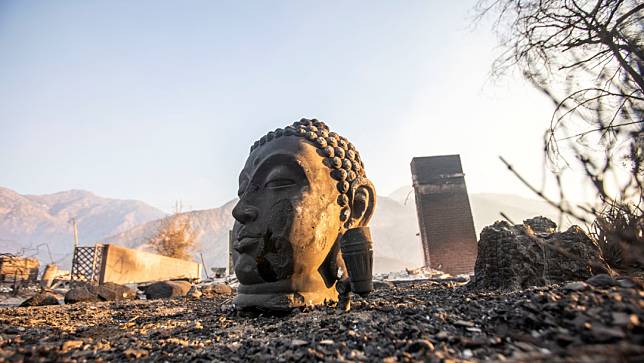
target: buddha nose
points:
(245, 213)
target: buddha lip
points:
(246, 235)
(246, 244)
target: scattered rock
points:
(464, 323)
(420, 346)
(80, 294)
(131, 353)
(576, 286)
(167, 289)
(71, 344)
(473, 342)
(602, 333)
(628, 282)
(625, 320)
(41, 299)
(110, 291)
(195, 293)
(234, 346)
(217, 289)
(602, 280)
(467, 354)
(442, 335)
(299, 343)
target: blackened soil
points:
(430, 321)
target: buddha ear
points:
(363, 202)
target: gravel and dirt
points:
(426, 320)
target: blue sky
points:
(160, 100)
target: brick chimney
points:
(444, 214)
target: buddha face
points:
(288, 223)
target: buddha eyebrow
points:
(278, 160)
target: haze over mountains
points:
(29, 220)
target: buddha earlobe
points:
(362, 198)
(360, 202)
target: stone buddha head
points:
(301, 189)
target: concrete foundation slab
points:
(124, 265)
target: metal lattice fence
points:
(86, 264)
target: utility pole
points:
(75, 226)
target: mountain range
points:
(30, 223)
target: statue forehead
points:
(294, 146)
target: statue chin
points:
(246, 270)
(284, 294)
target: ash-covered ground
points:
(428, 320)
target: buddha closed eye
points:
(279, 183)
(281, 177)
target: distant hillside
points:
(27, 221)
